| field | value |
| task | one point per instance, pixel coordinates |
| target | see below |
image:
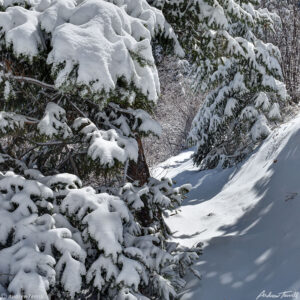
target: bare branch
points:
(77, 109)
(31, 80)
(34, 81)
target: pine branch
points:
(30, 80)
(77, 109)
(31, 121)
(54, 143)
(51, 143)
(34, 81)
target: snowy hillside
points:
(248, 217)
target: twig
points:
(74, 165)
(26, 152)
(77, 109)
(125, 171)
(50, 143)
(33, 81)
(30, 120)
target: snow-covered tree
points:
(77, 82)
(286, 37)
(240, 72)
(59, 238)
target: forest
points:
(149, 149)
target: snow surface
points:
(247, 217)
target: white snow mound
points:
(248, 218)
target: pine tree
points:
(286, 36)
(239, 72)
(80, 215)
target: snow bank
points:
(248, 218)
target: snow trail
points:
(247, 217)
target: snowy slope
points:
(248, 217)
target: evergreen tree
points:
(77, 80)
(286, 37)
(239, 72)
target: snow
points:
(147, 124)
(246, 216)
(262, 101)
(20, 27)
(102, 264)
(27, 263)
(274, 113)
(132, 195)
(10, 121)
(72, 272)
(230, 106)
(249, 113)
(53, 122)
(104, 226)
(241, 82)
(106, 146)
(58, 234)
(260, 128)
(214, 14)
(164, 286)
(109, 37)
(33, 281)
(124, 121)
(130, 274)
(102, 40)
(6, 90)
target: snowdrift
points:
(248, 218)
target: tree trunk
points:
(139, 171)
